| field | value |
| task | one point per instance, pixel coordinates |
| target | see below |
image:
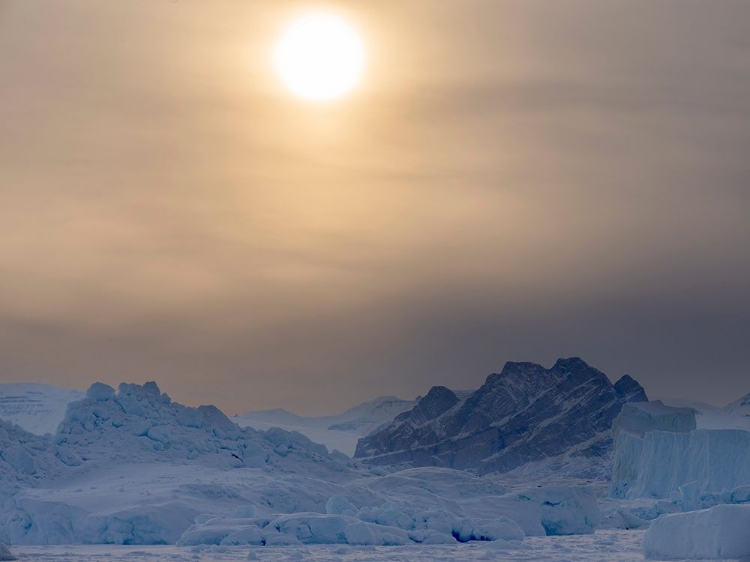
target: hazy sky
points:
(512, 181)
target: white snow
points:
(719, 532)
(38, 408)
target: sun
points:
(320, 57)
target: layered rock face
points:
(525, 413)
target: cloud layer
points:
(514, 181)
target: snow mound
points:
(122, 470)
(142, 424)
(25, 458)
(563, 510)
(715, 533)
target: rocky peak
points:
(629, 390)
(438, 401)
(524, 413)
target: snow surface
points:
(340, 432)
(38, 408)
(717, 533)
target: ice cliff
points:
(660, 453)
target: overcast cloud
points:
(513, 181)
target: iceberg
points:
(660, 454)
(715, 533)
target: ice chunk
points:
(339, 505)
(359, 534)
(246, 511)
(100, 392)
(715, 533)
(565, 510)
(741, 494)
(5, 554)
(249, 535)
(642, 417)
(19, 459)
(215, 530)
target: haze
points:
(510, 181)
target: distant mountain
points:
(738, 412)
(339, 432)
(37, 408)
(526, 413)
(707, 416)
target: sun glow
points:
(320, 57)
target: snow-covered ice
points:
(132, 467)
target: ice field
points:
(132, 475)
